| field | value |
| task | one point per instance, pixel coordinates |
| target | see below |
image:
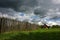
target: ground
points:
(40, 34)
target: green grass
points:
(40, 34)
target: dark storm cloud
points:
(28, 5)
(8, 3)
(16, 4)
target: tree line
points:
(14, 25)
(7, 25)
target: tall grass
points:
(40, 34)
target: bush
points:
(55, 26)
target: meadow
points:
(40, 34)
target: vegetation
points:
(16, 30)
(40, 34)
(7, 25)
(56, 26)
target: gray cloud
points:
(43, 8)
(16, 4)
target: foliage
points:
(55, 26)
(40, 34)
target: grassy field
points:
(40, 34)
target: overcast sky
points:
(32, 10)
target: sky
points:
(33, 11)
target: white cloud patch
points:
(56, 1)
(53, 13)
(40, 23)
(20, 16)
(50, 23)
